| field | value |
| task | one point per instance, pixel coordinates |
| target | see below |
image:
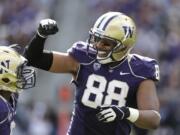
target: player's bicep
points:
(147, 97)
(63, 63)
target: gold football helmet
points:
(116, 29)
(15, 75)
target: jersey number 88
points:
(102, 86)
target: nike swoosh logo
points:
(123, 73)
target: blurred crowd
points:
(158, 29)
(18, 19)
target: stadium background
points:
(45, 109)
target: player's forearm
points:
(35, 46)
(36, 56)
(148, 119)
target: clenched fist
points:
(111, 113)
(47, 27)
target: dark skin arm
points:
(148, 106)
(64, 63)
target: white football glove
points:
(112, 113)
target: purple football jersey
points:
(101, 84)
(7, 113)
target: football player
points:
(15, 76)
(115, 89)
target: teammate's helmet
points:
(117, 29)
(15, 75)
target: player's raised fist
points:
(47, 27)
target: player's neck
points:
(5, 94)
(114, 64)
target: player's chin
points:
(102, 54)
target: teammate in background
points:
(115, 89)
(15, 76)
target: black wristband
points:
(36, 56)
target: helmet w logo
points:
(4, 64)
(128, 32)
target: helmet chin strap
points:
(111, 59)
(104, 61)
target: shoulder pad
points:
(80, 52)
(144, 67)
